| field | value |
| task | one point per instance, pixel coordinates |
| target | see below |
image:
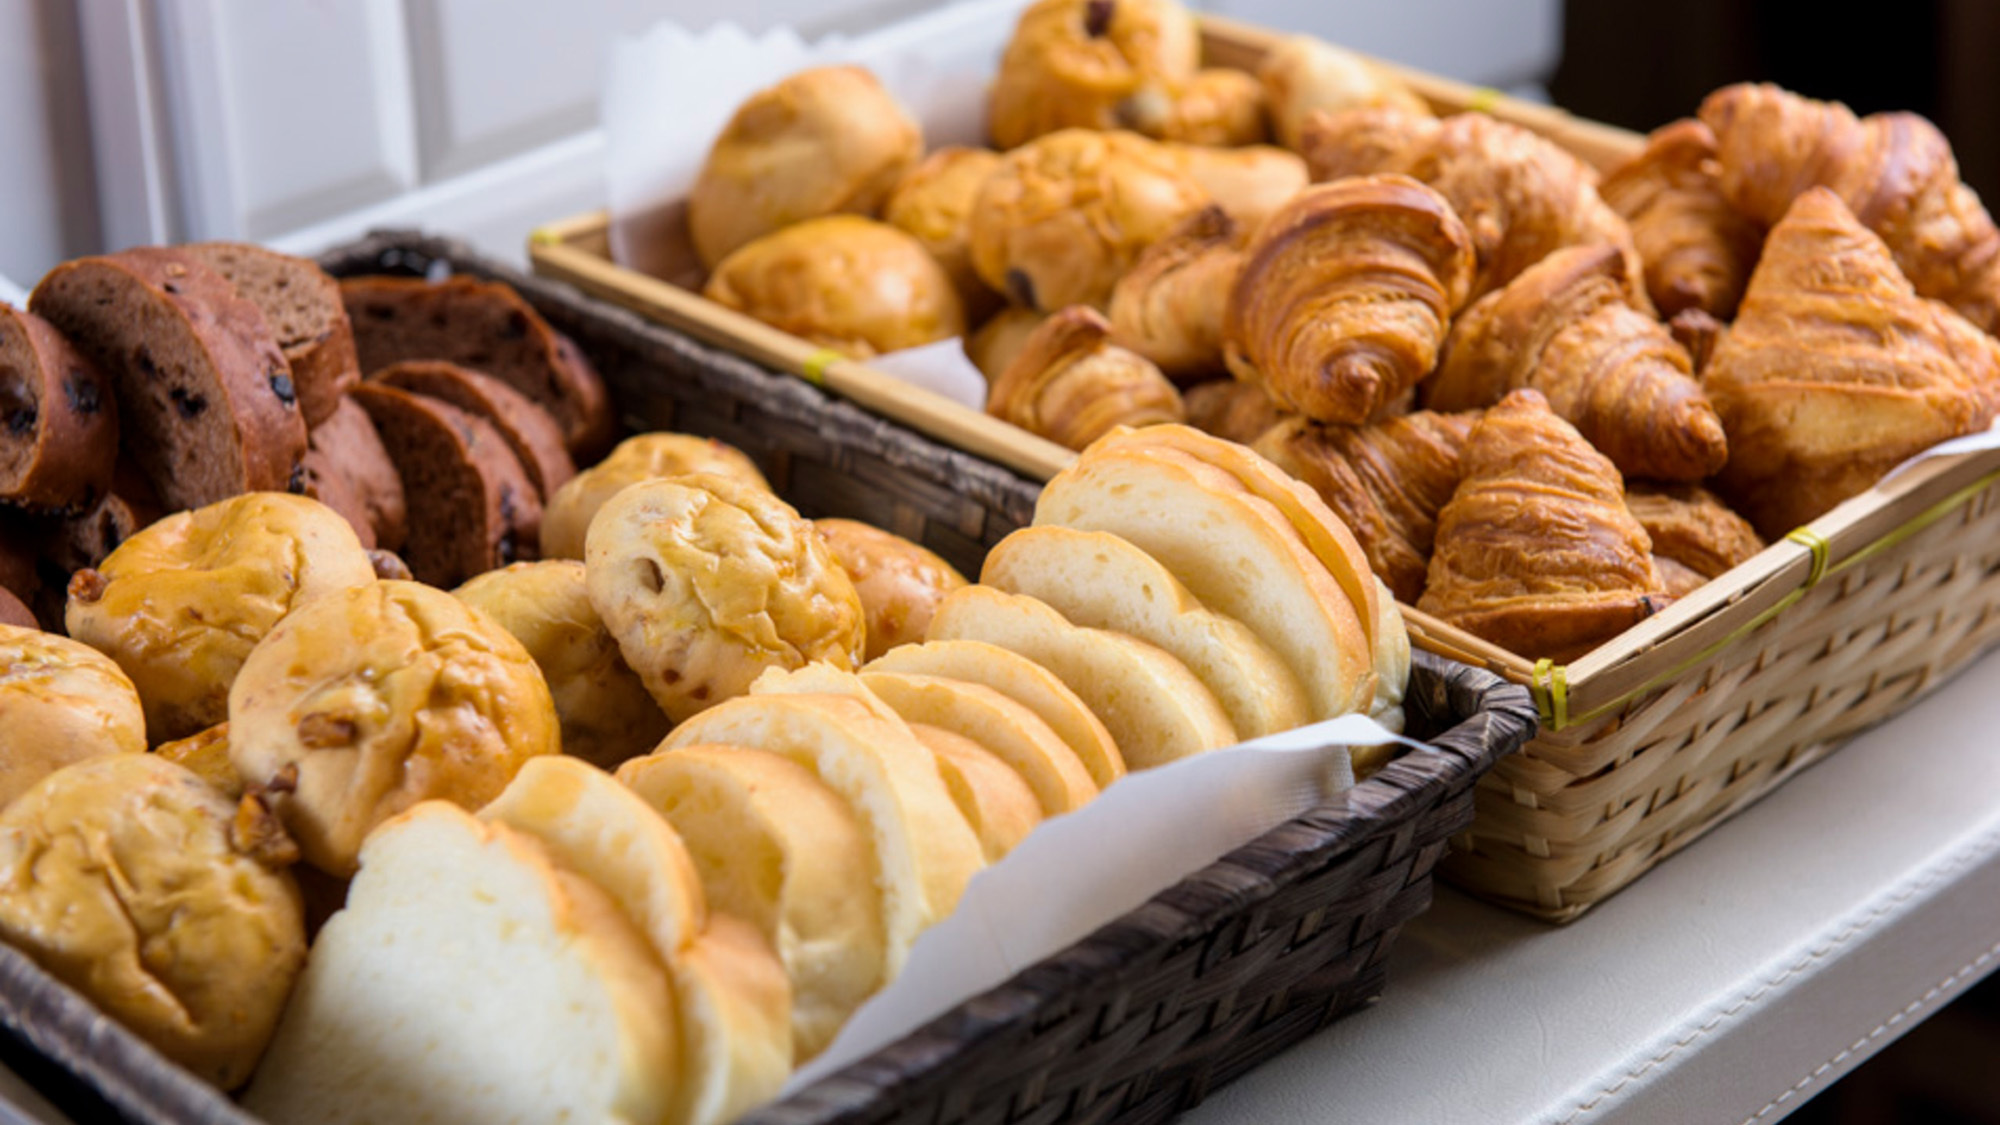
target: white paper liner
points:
(1971, 443)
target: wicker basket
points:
(1134, 1023)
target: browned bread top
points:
(58, 423)
(530, 431)
(302, 304)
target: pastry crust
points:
(899, 582)
(1693, 528)
(1093, 64)
(1072, 385)
(60, 702)
(1698, 249)
(1169, 307)
(644, 457)
(1249, 183)
(1232, 410)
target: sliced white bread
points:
(1237, 553)
(996, 802)
(429, 998)
(777, 847)
(735, 1007)
(1392, 664)
(1155, 708)
(1101, 581)
(925, 852)
(1011, 732)
(1023, 681)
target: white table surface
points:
(1729, 985)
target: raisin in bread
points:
(529, 430)
(86, 538)
(303, 306)
(58, 425)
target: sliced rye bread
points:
(85, 538)
(488, 327)
(14, 611)
(206, 404)
(531, 431)
(349, 470)
(471, 507)
(58, 423)
(303, 306)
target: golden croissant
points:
(1836, 370)
(1568, 329)
(1092, 64)
(1693, 527)
(1070, 384)
(1536, 550)
(1345, 295)
(1894, 171)
(1520, 195)
(1698, 249)
(1232, 409)
(1386, 481)
(1169, 307)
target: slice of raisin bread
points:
(85, 538)
(488, 327)
(347, 465)
(471, 507)
(58, 424)
(206, 404)
(530, 430)
(302, 304)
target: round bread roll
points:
(378, 697)
(934, 205)
(569, 512)
(606, 713)
(206, 755)
(1093, 64)
(825, 140)
(180, 605)
(1000, 339)
(899, 582)
(123, 877)
(706, 582)
(60, 702)
(843, 282)
(1063, 217)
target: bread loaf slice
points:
(735, 1009)
(471, 979)
(531, 433)
(1156, 709)
(15, 612)
(206, 403)
(87, 538)
(470, 505)
(1006, 729)
(302, 305)
(58, 423)
(488, 327)
(996, 802)
(778, 848)
(347, 459)
(1098, 580)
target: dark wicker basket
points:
(1135, 1023)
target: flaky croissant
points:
(1835, 370)
(1536, 550)
(1232, 409)
(1218, 106)
(1520, 195)
(1169, 307)
(1345, 295)
(1092, 64)
(1568, 329)
(1698, 249)
(1302, 75)
(1693, 527)
(1070, 384)
(1894, 171)
(1386, 481)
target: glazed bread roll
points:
(643, 457)
(706, 582)
(1092, 64)
(181, 604)
(899, 582)
(61, 702)
(1303, 75)
(1069, 383)
(125, 877)
(1219, 106)
(933, 203)
(605, 711)
(823, 141)
(843, 282)
(206, 755)
(379, 697)
(1065, 216)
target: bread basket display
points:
(1246, 950)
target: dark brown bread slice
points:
(58, 423)
(14, 611)
(206, 404)
(530, 431)
(488, 327)
(346, 446)
(20, 545)
(83, 539)
(471, 507)
(303, 306)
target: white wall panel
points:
(46, 208)
(1497, 42)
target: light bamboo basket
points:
(1647, 742)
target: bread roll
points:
(1220, 107)
(934, 204)
(206, 755)
(181, 604)
(62, 702)
(568, 514)
(994, 800)
(1092, 64)
(379, 697)
(899, 583)
(1303, 75)
(1248, 183)
(1000, 339)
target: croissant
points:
(1835, 370)
(1387, 482)
(1520, 195)
(1536, 550)
(1344, 297)
(1698, 250)
(1232, 409)
(1693, 527)
(1699, 334)
(1894, 171)
(1218, 106)
(1676, 577)
(1092, 64)
(1070, 384)
(1566, 328)
(1250, 182)
(1302, 74)
(1169, 307)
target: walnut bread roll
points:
(60, 702)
